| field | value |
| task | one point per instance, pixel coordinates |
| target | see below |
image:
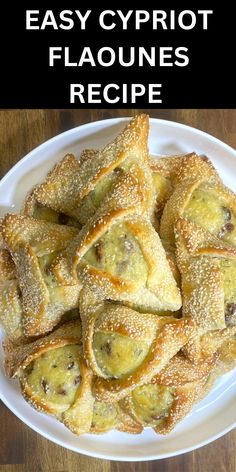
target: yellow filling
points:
(152, 402)
(45, 262)
(163, 189)
(55, 375)
(209, 210)
(104, 416)
(117, 355)
(119, 253)
(44, 213)
(93, 200)
(229, 275)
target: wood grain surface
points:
(23, 450)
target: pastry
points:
(125, 348)
(33, 244)
(162, 407)
(41, 212)
(54, 377)
(119, 252)
(107, 416)
(77, 188)
(200, 197)
(208, 268)
(10, 298)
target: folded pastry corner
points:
(120, 253)
(54, 377)
(202, 198)
(78, 187)
(125, 348)
(208, 268)
(107, 416)
(10, 296)
(33, 245)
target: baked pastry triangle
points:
(119, 252)
(77, 188)
(168, 172)
(201, 197)
(54, 377)
(125, 348)
(162, 407)
(33, 244)
(10, 298)
(208, 270)
(107, 416)
(38, 211)
(208, 267)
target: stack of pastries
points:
(118, 287)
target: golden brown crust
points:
(71, 181)
(126, 358)
(181, 371)
(122, 206)
(11, 310)
(22, 230)
(19, 357)
(44, 302)
(119, 419)
(78, 417)
(189, 178)
(10, 298)
(198, 255)
(59, 190)
(184, 399)
(164, 408)
(167, 343)
(168, 166)
(7, 266)
(169, 172)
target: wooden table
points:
(21, 449)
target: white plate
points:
(212, 417)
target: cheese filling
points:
(104, 416)
(209, 210)
(55, 375)
(118, 252)
(152, 403)
(117, 355)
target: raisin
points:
(118, 170)
(63, 219)
(107, 348)
(230, 314)
(138, 351)
(30, 368)
(227, 213)
(77, 379)
(70, 365)
(227, 228)
(99, 251)
(62, 391)
(122, 266)
(45, 386)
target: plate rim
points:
(112, 457)
(23, 160)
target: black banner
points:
(162, 56)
